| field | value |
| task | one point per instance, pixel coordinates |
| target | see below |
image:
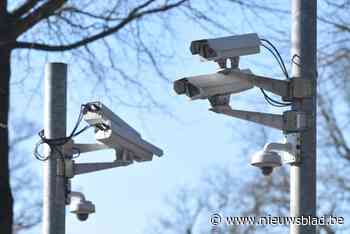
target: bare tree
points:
(186, 206)
(59, 26)
(258, 196)
(24, 182)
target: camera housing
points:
(266, 161)
(80, 206)
(226, 47)
(220, 83)
(275, 154)
(115, 133)
(99, 115)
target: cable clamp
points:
(294, 121)
(299, 88)
(69, 168)
(60, 169)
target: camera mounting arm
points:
(77, 195)
(289, 150)
(287, 89)
(275, 146)
(71, 168)
(83, 168)
(289, 121)
(71, 147)
(270, 120)
(278, 87)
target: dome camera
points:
(82, 217)
(266, 161)
(80, 206)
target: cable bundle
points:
(273, 50)
(54, 144)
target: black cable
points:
(82, 130)
(278, 54)
(274, 102)
(55, 143)
(285, 73)
(80, 118)
(283, 66)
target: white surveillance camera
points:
(275, 154)
(266, 161)
(220, 83)
(98, 115)
(80, 206)
(226, 47)
(117, 134)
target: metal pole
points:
(54, 127)
(303, 176)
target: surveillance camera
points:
(117, 134)
(226, 47)
(266, 161)
(274, 154)
(98, 115)
(220, 83)
(82, 217)
(80, 206)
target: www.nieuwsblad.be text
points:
(218, 219)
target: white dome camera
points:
(80, 206)
(266, 161)
(275, 154)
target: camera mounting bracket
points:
(123, 158)
(287, 89)
(288, 122)
(293, 156)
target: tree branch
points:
(89, 14)
(24, 8)
(334, 130)
(133, 15)
(42, 12)
(341, 27)
(3, 7)
(263, 7)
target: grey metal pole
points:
(303, 176)
(54, 127)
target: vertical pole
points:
(303, 176)
(54, 127)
